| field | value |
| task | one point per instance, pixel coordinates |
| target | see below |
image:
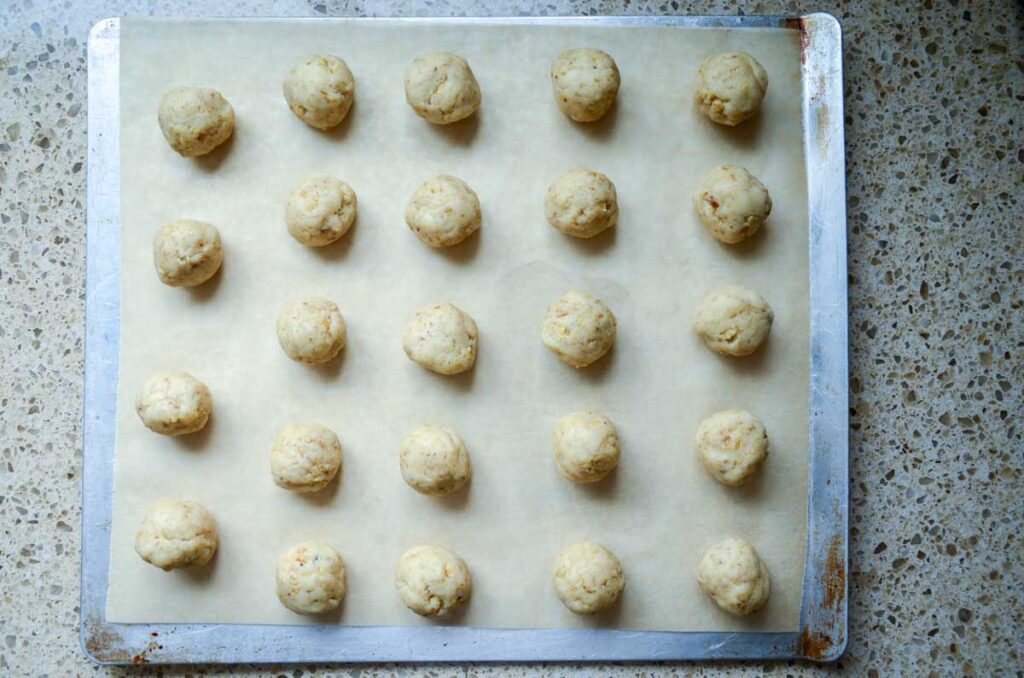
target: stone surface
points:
(936, 166)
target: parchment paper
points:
(658, 512)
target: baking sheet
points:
(657, 513)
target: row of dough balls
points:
(441, 88)
(443, 211)
(578, 328)
(431, 580)
(731, 444)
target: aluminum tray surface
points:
(822, 634)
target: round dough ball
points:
(732, 445)
(195, 121)
(441, 88)
(320, 210)
(582, 203)
(733, 320)
(578, 328)
(588, 578)
(305, 457)
(187, 253)
(730, 87)
(733, 575)
(311, 330)
(319, 90)
(435, 461)
(443, 211)
(174, 403)
(586, 446)
(732, 203)
(432, 581)
(441, 338)
(176, 533)
(311, 578)
(585, 83)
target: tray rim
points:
(823, 627)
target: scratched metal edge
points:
(102, 337)
(185, 643)
(824, 621)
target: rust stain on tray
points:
(822, 632)
(821, 129)
(141, 657)
(104, 644)
(109, 646)
(798, 24)
(835, 575)
(814, 645)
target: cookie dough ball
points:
(443, 211)
(311, 578)
(441, 338)
(441, 88)
(320, 210)
(732, 445)
(733, 320)
(305, 457)
(585, 83)
(174, 403)
(578, 328)
(732, 203)
(733, 575)
(435, 461)
(586, 446)
(582, 203)
(176, 533)
(311, 330)
(187, 253)
(730, 87)
(588, 578)
(319, 90)
(432, 581)
(195, 121)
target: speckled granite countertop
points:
(934, 108)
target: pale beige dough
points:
(582, 203)
(733, 320)
(311, 330)
(732, 445)
(176, 533)
(732, 203)
(588, 578)
(578, 328)
(432, 581)
(319, 90)
(305, 457)
(733, 575)
(586, 446)
(443, 211)
(311, 578)
(320, 210)
(174, 403)
(187, 252)
(586, 82)
(434, 460)
(441, 88)
(730, 87)
(441, 338)
(195, 121)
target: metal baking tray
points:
(822, 634)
